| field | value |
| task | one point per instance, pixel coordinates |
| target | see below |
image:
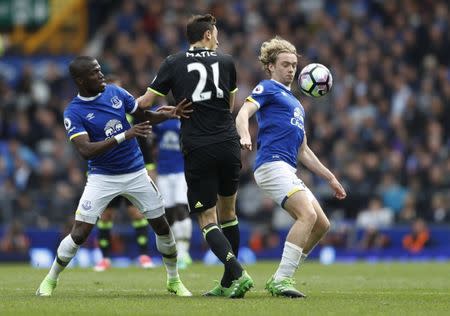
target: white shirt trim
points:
(135, 107)
(88, 98)
(252, 100)
(289, 88)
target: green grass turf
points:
(340, 289)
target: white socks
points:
(166, 246)
(66, 251)
(289, 261)
(303, 257)
(186, 228)
(182, 231)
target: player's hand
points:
(182, 109)
(141, 129)
(246, 143)
(339, 190)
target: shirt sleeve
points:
(259, 96)
(130, 103)
(74, 125)
(163, 81)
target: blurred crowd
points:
(384, 129)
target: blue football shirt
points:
(102, 117)
(280, 118)
(170, 158)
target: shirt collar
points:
(283, 85)
(88, 98)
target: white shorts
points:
(173, 188)
(137, 187)
(278, 180)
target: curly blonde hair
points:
(272, 48)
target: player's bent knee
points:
(207, 217)
(160, 225)
(325, 225)
(227, 215)
(307, 214)
(79, 236)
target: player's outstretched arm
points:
(146, 100)
(246, 112)
(310, 160)
(166, 112)
(89, 150)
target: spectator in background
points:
(418, 239)
(392, 193)
(372, 221)
(440, 208)
(15, 241)
(409, 212)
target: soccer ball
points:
(315, 80)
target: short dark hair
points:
(77, 67)
(198, 25)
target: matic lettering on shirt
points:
(204, 53)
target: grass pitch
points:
(340, 289)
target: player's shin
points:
(66, 251)
(231, 230)
(182, 231)
(289, 261)
(186, 227)
(167, 247)
(222, 249)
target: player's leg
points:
(142, 192)
(182, 226)
(98, 192)
(301, 209)
(319, 230)
(279, 181)
(236, 282)
(104, 227)
(201, 170)
(140, 225)
(182, 229)
(166, 245)
(166, 187)
(230, 166)
(67, 249)
(229, 226)
(228, 220)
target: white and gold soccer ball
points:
(315, 80)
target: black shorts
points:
(210, 171)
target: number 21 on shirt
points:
(199, 94)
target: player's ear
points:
(79, 80)
(207, 35)
(271, 67)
